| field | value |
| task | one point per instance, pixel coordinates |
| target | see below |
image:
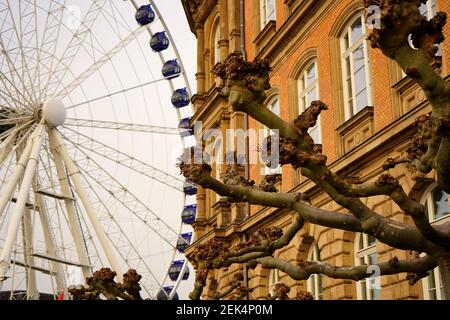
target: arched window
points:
(216, 45)
(314, 283)
(366, 254)
(274, 278)
(308, 91)
(273, 106)
(436, 204)
(355, 67)
(267, 12)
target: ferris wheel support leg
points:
(6, 147)
(7, 191)
(69, 204)
(50, 242)
(32, 291)
(74, 174)
(17, 214)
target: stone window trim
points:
(356, 130)
(348, 49)
(292, 5)
(354, 9)
(305, 59)
(265, 36)
(212, 48)
(215, 42)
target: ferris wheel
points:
(94, 110)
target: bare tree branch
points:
(418, 266)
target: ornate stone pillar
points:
(200, 75)
(223, 43)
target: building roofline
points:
(189, 16)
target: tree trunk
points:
(444, 269)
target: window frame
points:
(430, 12)
(364, 253)
(428, 196)
(274, 278)
(216, 39)
(267, 131)
(348, 53)
(303, 91)
(264, 15)
(315, 282)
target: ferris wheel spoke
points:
(124, 159)
(116, 93)
(15, 131)
(62, 67)
(26, 33)
(74, 173)
(87, 238)
(97, 64)
(7, 45)
(6, 147)
(100, 124)
(46, 47)
(7, 94)
(118, 237)
(136, 207)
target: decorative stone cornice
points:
(197, 11)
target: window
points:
(428, 10)
(216, 44)
(356, 68)
(274, 278)
(267, 12)
(308, 91)
(273, 106)
(436, 204)
(366, 254)
(314, 284)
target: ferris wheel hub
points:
(54, 112)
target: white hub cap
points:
(54, 112)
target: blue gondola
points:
(180, 98)
(189, 188)
(159, 42)
(175, 269)
(185, 124)
(171, 69)
(164, 296)
(145, 15)
(188, 214)
(184, 241)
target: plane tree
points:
(408, 38)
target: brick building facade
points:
(317, 50)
